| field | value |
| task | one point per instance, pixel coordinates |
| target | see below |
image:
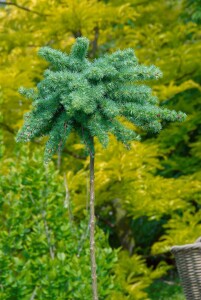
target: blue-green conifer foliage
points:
(92, 98)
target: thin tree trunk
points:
(92, 230)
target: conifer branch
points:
(90, 96)
(12, 131)
(24, 8)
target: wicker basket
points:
(188, 261)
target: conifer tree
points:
(92, 98)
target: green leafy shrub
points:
(43, 252)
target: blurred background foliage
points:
(147, 199)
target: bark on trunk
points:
(92, 230)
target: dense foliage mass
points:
(89, 96)
(44, 254)
(42, 251)
(148, 198)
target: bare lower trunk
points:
(92, 230)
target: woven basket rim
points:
(186, 247)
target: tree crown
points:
(90, 97)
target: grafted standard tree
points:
(92, 98)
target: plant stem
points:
(92, 229)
